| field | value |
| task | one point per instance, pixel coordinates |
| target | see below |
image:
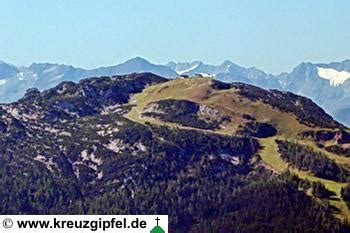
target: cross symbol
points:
(157, 219)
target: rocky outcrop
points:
(187, 113)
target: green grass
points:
(271, 157)
(228, 101)
(174, 89)
(336, 201)
(338, 159)
(199, 90)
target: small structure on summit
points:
(157, 229)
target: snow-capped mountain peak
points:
(3, 81)
(184, 67)
(335, 77)
(325, 84)
(227, 63)
(182, 71)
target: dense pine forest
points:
(306, 158)
(86, 148)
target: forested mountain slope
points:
(195, 149)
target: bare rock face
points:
(342, 137)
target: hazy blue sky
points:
(273, 35)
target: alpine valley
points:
(215, 156)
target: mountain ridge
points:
(330, 89)
(193, 149)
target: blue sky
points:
(273, 35)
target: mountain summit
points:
(199, 150)
(327, 84)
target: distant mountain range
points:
(326, 84)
